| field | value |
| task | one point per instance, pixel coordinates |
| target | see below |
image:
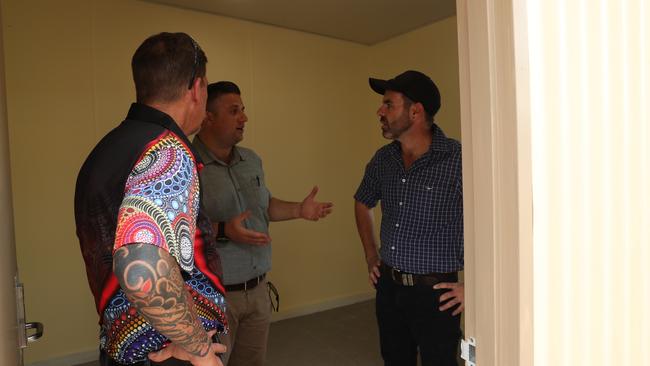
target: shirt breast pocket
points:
(255, 193)
(436, 203)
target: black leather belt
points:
(412, 279)
(245, 286)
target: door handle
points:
(39, 331)
(23, 327)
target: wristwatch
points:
(221, 232)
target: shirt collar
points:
(438, 143)
(208, 157)
(438, 139)
(145, 113)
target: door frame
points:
(10, 352)
(497, 179)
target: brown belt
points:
(412, 279)
(245, 286)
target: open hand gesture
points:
(312, 210)
(236, 231)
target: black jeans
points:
(409, 320)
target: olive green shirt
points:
(228, 190)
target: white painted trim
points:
(497, 181)
(88, 356)
(322, 306)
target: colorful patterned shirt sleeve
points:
(161, 200)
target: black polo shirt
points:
(140, 184)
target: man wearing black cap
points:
(418, 179)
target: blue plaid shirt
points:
(422, 207)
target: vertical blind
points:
(589, 102)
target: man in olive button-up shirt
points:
(231, 189)
(240, 206)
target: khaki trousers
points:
(249, 317)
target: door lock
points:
(23, 338)
(39, 331)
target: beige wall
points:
(311, 118)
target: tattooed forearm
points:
(151, 280)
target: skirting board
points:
(322, 306)
(88, 356)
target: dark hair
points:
(165, 65)
(219, 88)
(408, 102)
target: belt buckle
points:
(257, 282)
(405, 278)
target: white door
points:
(9, 345)
(13, 337)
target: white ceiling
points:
(361, 21)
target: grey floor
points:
(346, 336)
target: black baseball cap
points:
(415, 85)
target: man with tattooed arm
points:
(148, 249)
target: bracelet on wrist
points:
(221, 232)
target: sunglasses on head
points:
(196, 63)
